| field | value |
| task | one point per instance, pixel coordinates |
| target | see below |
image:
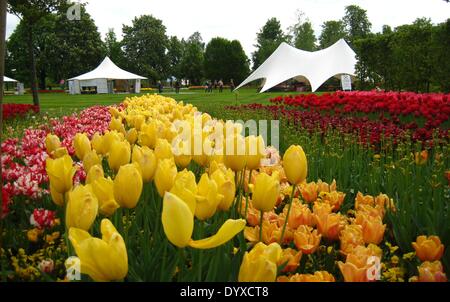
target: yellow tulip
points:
(138, 121)
(103, 189)
(114, 112)
(265, 192)
(260, 264)
(60, 152)
(95, 172)
(254, 151)
(178, 224)
(82, 208)
(60, 172)
(52, 143)
(146, 159)
(163, 150)
(182, 157)
(234, 152)
(91, 159)
(81, 144)
(128, 186)
(185, 188)
(226, 187)
(132, 136)
(97, 144)
(119, 155)
(147, 135)
(58, 198)
(208, 198)
(116, 124)
(165, 174)
(108, 140)
(102, 259)
(295, 164)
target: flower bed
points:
(11, 111)
(165, 215)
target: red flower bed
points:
(11, 111)
(370, 115)
(23, 161)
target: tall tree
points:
(267, 40)
(192, 62)
(175, 54)
(356, 22)
(114, 48)
(302, 33)
(75, 45)
(30, 12)
(62, 48)
(225, 59)
(145, 44)
(332, 31)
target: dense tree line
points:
(412, 57)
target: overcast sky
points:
(242, 19)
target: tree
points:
(145, 44)
(114, 48)
(30, 12)
(332, 31)
(175, 55)
(225, 60)
(356, 22)
(268, 39)
(302, 33)
(192, 62)
(62, 48)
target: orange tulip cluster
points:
(430, 251)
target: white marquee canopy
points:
(6, 79)
(101, 78)
(288, 62)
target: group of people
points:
(176, 85)
(210, 85)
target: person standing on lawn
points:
(160, 87)
(220, 85)
(232, 85)
(177, 87)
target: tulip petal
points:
(228, 230)
(177, 220)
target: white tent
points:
(288, 62)
(101, 78)
(6, 79)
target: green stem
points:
(288, 213)
(247, 198)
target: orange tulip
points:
(357, 265)
(334, 199)
(330, 225)
(300, 215)
(431, 272)
(319, 276)
(306, 239)
(428, 248)
(309, 192)
(372, 227)
(290, 258)
(351, 237)
(271, 233)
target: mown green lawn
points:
(198, 98)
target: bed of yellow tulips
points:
(152, 208)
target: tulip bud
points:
(165, 174)
(428, 248)
(91, 159)
(226, 187)
(97, 144)
(146, 159)
(234, 152)
(147, 135)
(260, 264)
(82, 145)
(52, 143)
(128, 186)
(119, 155)
(185, 188)
(94, 173)
(60, 152)
(254, 151)
(103, 189)
(132, 136)
(163, 150)
(208, 198)
(60, 172)
(265, 192)
(295, 164)
(82, 208)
